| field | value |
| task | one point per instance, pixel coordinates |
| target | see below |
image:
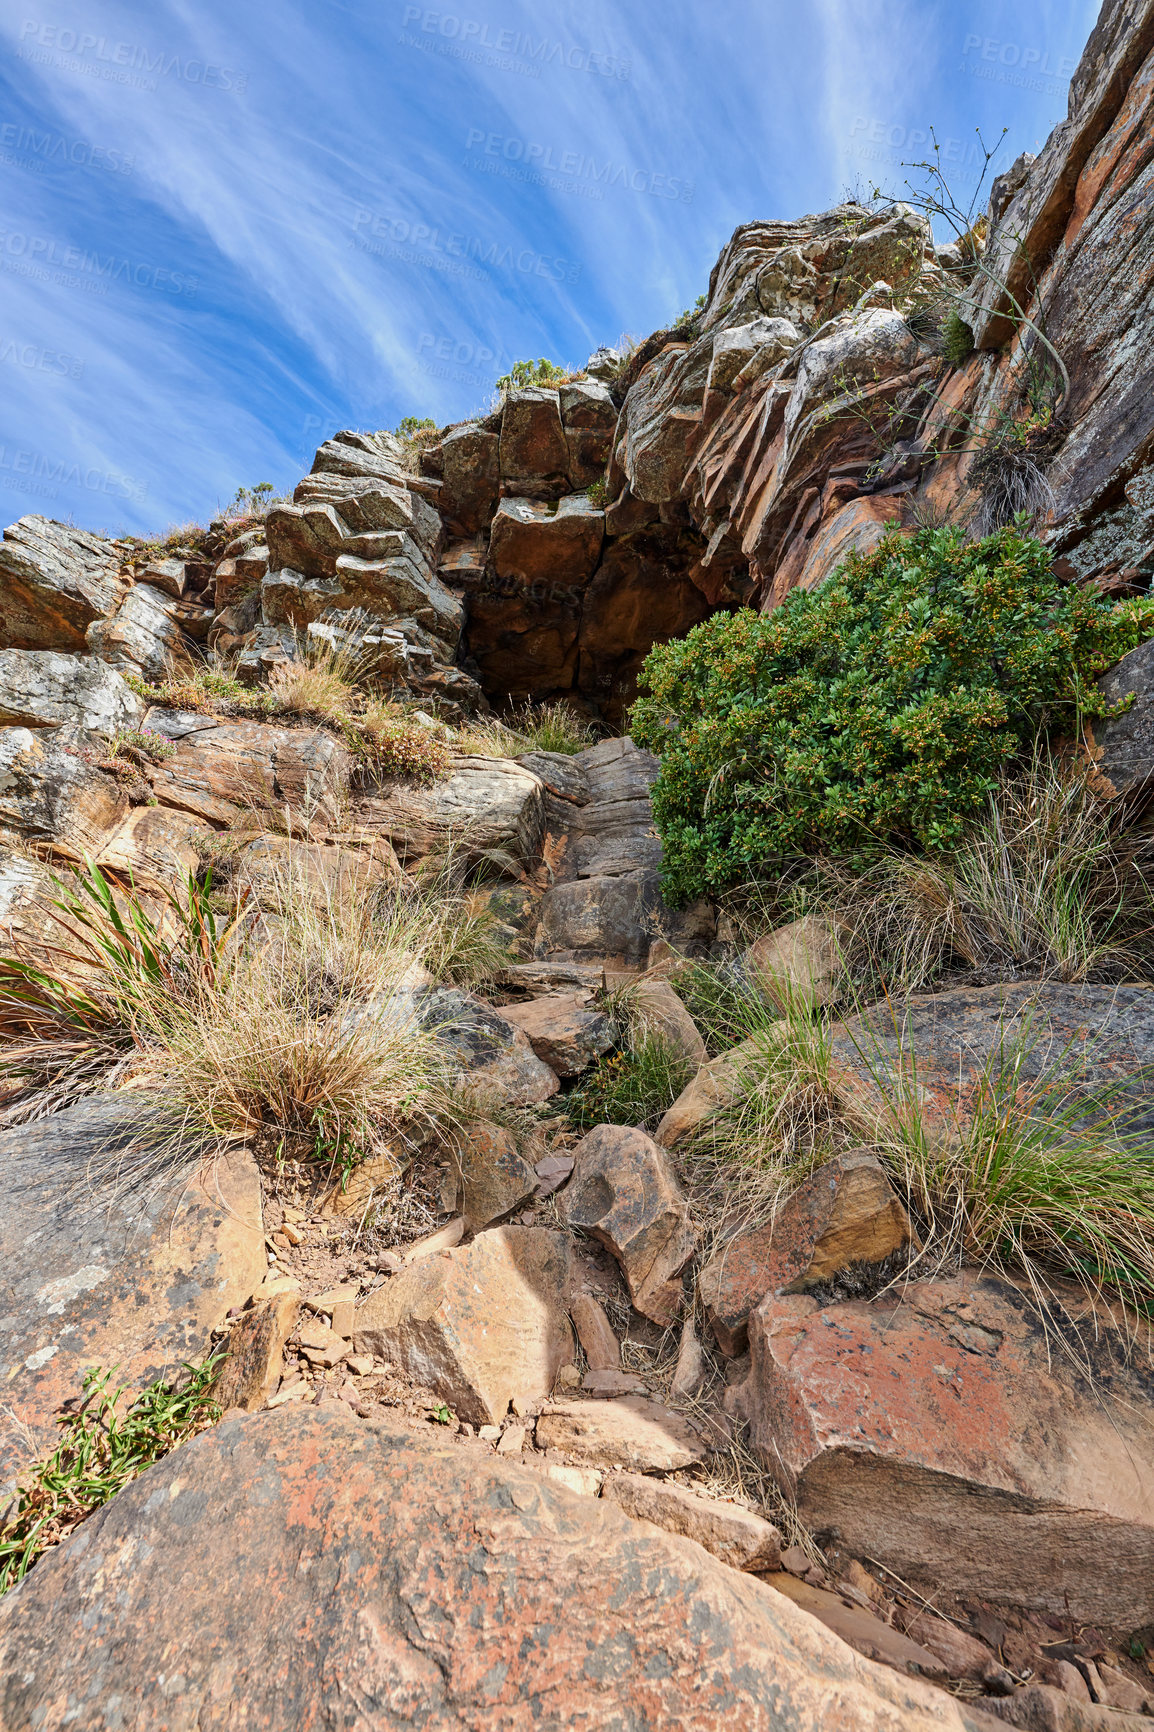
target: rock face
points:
(223, 768)
(1125, 743)
(55, 581)
(481, 1325)
(845, 1213)
(44, 689)
(143, 636)
(399, 1534)
(137, 1283)
(625, 1193)
(487, 803)
(940, 1423)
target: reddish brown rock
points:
(471, 477)
(797, 964)
(390, 1579)
(943, 1434)
(600, 1346)
(844, 1213)
(255, 1360)
(862, 1629)
(716, 1085)
(493, 1059)
(226, 768)
(534, 457)
(136, 1284)
(534, 544)
(482, 1325)
(566, 1030)
(655, 1007)
(624, 1192)
(495, 1179)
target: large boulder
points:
(54, 582)
(534, 544)
(48, 689)
(144, 636)
(534, 457)
(486, 804)
(222, 769)
(625, 1194)
(481, 1325)
(471, 477)
(944, 1431)
(114, 1255)
(333, 1572)
(955, 1050)
(495, 1177)
(589, 417)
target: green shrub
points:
(636, 1086)
(523, 374)
(878, 710)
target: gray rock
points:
(599, 919)
(143, 636)
(51, 796)
(27, 890)
(54, 582)
(486, 804)
(618, 770)
(611, 837)
(168, 575)
(46, 689)
(560, 773)
(493, 1059)
(1125, 755)
(735, 348)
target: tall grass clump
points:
(533, 728)
(1044, 883)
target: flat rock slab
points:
(482, 1324)
(333, 1572)
(632, 1433)
(220, 771)
(100, 1271)
(737, 1536)
(945, 1435)
(948, 1047)
(45, 689)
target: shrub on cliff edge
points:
(877, 710)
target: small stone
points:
(442, 1240)
(569, 1377)
(585, 1481)
(796, 1561)
(255, 1360)
(292, 1234)
(389, 1262)
(298, 1390)
(466, 1428)
(736, 1535)
(512, 1440)
(610, 1383)
(690, 1373)
(495, 1178)
(294, 1214)
(625, 1194)
(489, 1433)
(599, 1344)
(1123, 1692)
(360, 1364)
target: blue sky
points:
(229, 229)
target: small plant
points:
(413, 426)
(879, 710)
(251, 501)
(101, 1450)
(441, 1414)
(597, 493)
(535, 728)
(390, 742)
(522, 375)
(635, 1086)
(687, 320)
(204, 689)
(724, 1004)
(140, 744)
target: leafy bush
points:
(396, 744)
(523, 374)
(879, 710)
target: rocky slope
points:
(520, 1435)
